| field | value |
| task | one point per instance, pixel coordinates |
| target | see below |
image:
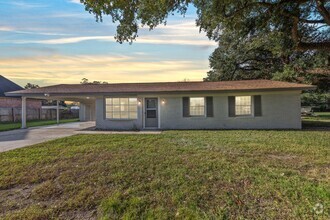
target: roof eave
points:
(25, 93)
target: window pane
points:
(116, 114)
(133, 115)
(243, 100)
(151, 114)
(133, 101)
(116, 108)
(243, 105)
(115, 101)
(200, 101)
(124, 108)
(195, 111)
(132, 108)
(124, 114)
(108, 107)
(108, 101)
(124, 101)
(151, 103)
(121, 108)
(108, 115)
(197, 106)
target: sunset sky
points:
(53, 42)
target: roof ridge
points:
(75, 84)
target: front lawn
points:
(174, 175)
(11, 126)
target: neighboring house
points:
(10, 107)
(249, 104)
(14, 102)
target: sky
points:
(54, 42)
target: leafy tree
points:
(86, 81)
(31, 86)
(269, 39)
(266, 57)
(305, 22)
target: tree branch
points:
(303, 46)
(323, 11)
(322, 21)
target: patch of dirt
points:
(15, 198)
(319, 173)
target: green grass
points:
(174, 175)
(11, 126)
(320, 119)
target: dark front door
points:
(151, 113)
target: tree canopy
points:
(86, 81)
(306, 23)
(257, 39)
(267, 57)
(31, 86)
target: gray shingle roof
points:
(7, 86)
(244, 85)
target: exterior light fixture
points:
(163, 101)
(139, 101)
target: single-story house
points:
(247, 104)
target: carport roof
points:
(163, 87)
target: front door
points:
(151, 113)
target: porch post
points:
(23, 115)
(57, 111)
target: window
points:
(243, 105)
(197, 106)
(121, 108)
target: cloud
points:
(159, 39)
(18, 31)
(6, 28)
(23, 4)
(71, 69)
(75, 1)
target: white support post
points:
(58, 112)
(23, 116)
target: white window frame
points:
(204, 109)
(251, 106)
(111, 107)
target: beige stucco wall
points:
(280, 110)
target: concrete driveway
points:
(24, 137)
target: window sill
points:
(196, 116)
(121, 119)
(243, 116)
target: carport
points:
(87, 103)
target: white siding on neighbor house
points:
(280, 110)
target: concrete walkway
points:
(19, 138)
(10, 140)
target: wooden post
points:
(57, 111)
(13, 113)
(23, 116)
